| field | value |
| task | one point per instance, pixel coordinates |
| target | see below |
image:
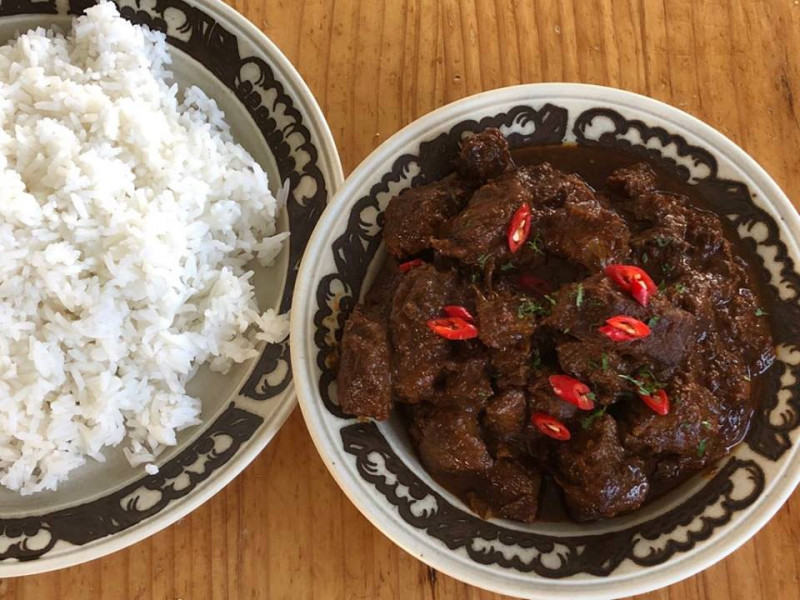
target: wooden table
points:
(283, 529)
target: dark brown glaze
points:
(471, 401)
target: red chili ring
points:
(623, 328)
(519, 228)
(550, 426)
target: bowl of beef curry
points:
(548, 332)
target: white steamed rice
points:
(127, 217)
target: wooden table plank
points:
(283, 529)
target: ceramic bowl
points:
(104, 507)
(672, 538)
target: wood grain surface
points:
(283, 529)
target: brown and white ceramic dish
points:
(679, 534)
(104, 507)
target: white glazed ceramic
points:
(685, 531)
(105, 507)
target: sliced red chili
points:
(550, 426)
(658, 401)
(453, 328)
(410, 264)
(634, 280)
(519, 228)
(535, 285)
(571, 390)
(623, 329)
(458, 311)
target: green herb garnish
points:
(701, 448)
(680, 288)
(651, 322)
(550, 299)
(604, 359)
(579, 295)
(645, 258)
(507, 266)
(483, 259)
(536, 245)
(537, 360)
(705, 424)
(646, 384)
(530, 308)
(588, 421)
(761, 312)
(661, 241)
(662, 287)
(685, 425)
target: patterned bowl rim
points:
(309, 113)
(374, 507)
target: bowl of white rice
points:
(162, 166)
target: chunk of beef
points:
(364, 381)
(466, 383)
(725, 374)
(505, 319)
(417, 214)
(542, 398)
(510, 490)
(633, 181)
(551, 189)
(505, 416)
(585, 232)
(598, 477)
(701, 229)
(512, 365)
(672, 329)
(662, 251)
(596, 365)
(478, 234)
(484, 156)
(419, 355)
(746, 322)
(450, 442)
(694, 417)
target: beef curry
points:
(560, 317)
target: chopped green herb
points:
(587, 422)
(705, 424)
(680, 288)
(604, 359)
(483, 259)
(645, 258)
(475, 277)
(662, 287)
(550, 299)
(579, 295)
(685, 425)
(508, 266)
(565, 331)
(536, 245)
(701, 448)
(646, 384)
(761, 312)
(651, 322)
(530, 308)
(666, 268)
(662, 242)
(591, 396)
